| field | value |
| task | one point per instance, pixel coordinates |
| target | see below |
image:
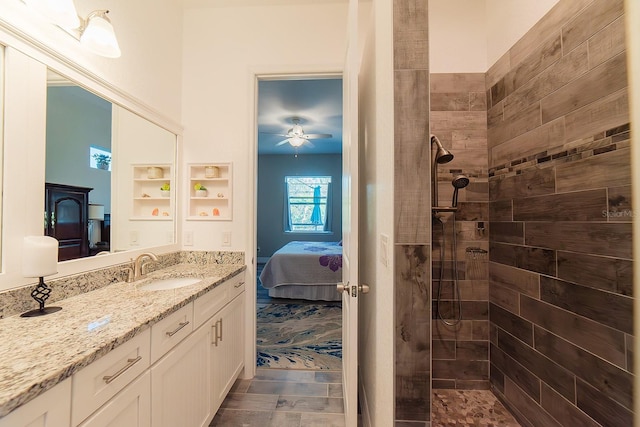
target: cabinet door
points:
(131, 407)
(181, 383)
(67, 219)
(51, 409)
(228, 348)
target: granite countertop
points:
(39, 352)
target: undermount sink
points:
(170, 283)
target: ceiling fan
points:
(296, 136)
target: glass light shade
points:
(296, 141)
(99, 37)
(60, 12)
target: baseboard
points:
(364, 403)
(262, 259)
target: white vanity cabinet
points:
(180, 383)
(50, 409)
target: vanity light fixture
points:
(97, 35)
(60, 12)
(39, 259)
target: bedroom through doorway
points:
(299, 223)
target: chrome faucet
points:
(139, 263)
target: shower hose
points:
(456, 289)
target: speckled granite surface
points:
(37, 353)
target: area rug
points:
(299, 336)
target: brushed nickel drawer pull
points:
(220, 330)
(175, 331)
(214, 334)
(238, 285)
(130, 362)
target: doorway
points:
(298, 222)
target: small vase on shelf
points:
(165, 193)
(201, 193)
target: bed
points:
(304, 270)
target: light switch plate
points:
(188, 238)
(226, 238)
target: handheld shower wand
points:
(459, 181)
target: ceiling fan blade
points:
(277, 134)
(282, 142)
(309, 143)
(317, 135)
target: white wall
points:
(469, 36)
(376, 324)
(223, 48)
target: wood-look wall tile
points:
(522, 281)
(575, 206)
(605, 113)
(596, 16)
(474, 290)
(479, 329)
(601, 81)
(469, 138)
(461, 331)
(500, 210)
(457, 82)
(473, 385)
(605, 411)
(473, 211)
(461, 369)
(609, 274)
(478, 101)
(513, 370)
(443, 349)
(548, 370)
(631, 345)
(456, 101)
(498, 70)
(607, 43)
(563, 410)
(507, 232)
(527, 406)
(471, 310)
(533, 182)
(505, 298)
(440, 384)
(539, 59)
(620, 207)
(609, 379)
(498, 91)
(526, 120)
(411, 50)
(442, 121)
(472, 350)
(607, 308)
(412, 400)
(495, 115)
(600, 340)
(515, 325)
(609, 239)
(547, 26)
(471, 232)
(549, 80)
(496, 377)
(546, 137)
(526, 257)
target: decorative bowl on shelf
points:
(211, 172)
(154, 172)
(201, 193)
(165, 193)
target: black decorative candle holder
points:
(41, 294)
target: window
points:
(99, 158)
(307, 204)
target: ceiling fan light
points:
(60, 12)
(98, 35)
(296, 141)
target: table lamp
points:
(96, 216)
(39, 259)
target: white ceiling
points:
(318, 105)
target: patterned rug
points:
(299, 336)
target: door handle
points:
(341, 287)
(362, 289)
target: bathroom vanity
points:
(122, 355)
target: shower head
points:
(458, 182)
(442, 154)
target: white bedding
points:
(304, 270)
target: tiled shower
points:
(543, 230)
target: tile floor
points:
(469, 408)
(284, 398)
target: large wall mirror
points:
(1, 136)
(106, 172)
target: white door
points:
(350, 223)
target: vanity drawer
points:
(95, 384)
(237, 285)
(170, 331)
(210, 303)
